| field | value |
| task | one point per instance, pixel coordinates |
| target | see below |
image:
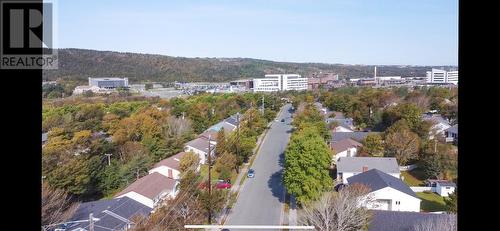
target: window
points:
(447, 187)
(398, 202)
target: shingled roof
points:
(394, 220)
(357, 136)
(171, 162)
(344, 145)
(376, 179)
(356, 164)
(150, 186)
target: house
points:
(151, 189)
(350, 166)
(441, 187)
(357, 136)
(439, 124)
(169, 167)
(397, 220)
(233, 120)
(223, 124)
(45, 137)
(345, 148)
(451, 134)
(113, 214)
(200, 147)
(212, 134)
(386, 192)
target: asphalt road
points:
(261, 198)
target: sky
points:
(370, 32)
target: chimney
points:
(365, 168)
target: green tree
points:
(373, 145)
(451, 202)
(307, 162)
(432, 166)
(189, 161)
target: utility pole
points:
(182, 115)
(238, 138)
(209, 182)
(137, 173)
(109, 158)
(262, 105)
(91, 222)
(435, 146)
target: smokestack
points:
(375, 74)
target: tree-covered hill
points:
(79, 64)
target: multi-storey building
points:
(437, 76)
(108, 83)
(279, 82)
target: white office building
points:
(437, 76)
(279, 82)
(108, 83)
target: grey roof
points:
(399, 221)
(200, 144)
(453, 129)
(448, 183)
(347, 122)
(45, 136)
(223, 124)
(435, 118)
(112, 213)
(233, 120)
(356, 164)
(357, 136)
(376, 179)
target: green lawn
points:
(414, 177)
(215, 175)
(431, 202)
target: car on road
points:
(251, 173)
(222, 185)
(282, 120)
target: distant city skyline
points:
(417, 33)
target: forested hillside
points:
(78, 64)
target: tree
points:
(189, 161)
(432, 166)
(373, 145)
(338, 211)
(148, 86)
(307, 162)
(402, 144)
(451, 202)
(441, 223)
(225, 163)
(57, 205)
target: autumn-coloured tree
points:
(401, 143)
(57, 205)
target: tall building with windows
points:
(279, 82)
(108, 83)
(437, 76)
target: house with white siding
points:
(350, 166)
(149, 190)
(345, 148)
(386, 192)
(200, 147)
(169, 167)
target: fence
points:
(421, 189)
(407, 167)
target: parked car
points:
(222, 185)
(251, 173)
(282, 120)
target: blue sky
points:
(400, 32)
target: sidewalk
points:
(292, 214)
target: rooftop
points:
(200, 144)
(344, 145)
(393, 220)
(453, 129)
(357, 136)
(113, 214)
(376, 179)
(150, 185)
(356, 164)
(171, 162)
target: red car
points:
(222, 185)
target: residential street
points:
(261, 198)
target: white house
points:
(345, 148)
(451, 134)
(386, 192)
(350, 166)
(200, 147)
(169, 167)
(442, 187)
(151, 189)
(439, 124)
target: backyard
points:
(415, 177)
(431, 202)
